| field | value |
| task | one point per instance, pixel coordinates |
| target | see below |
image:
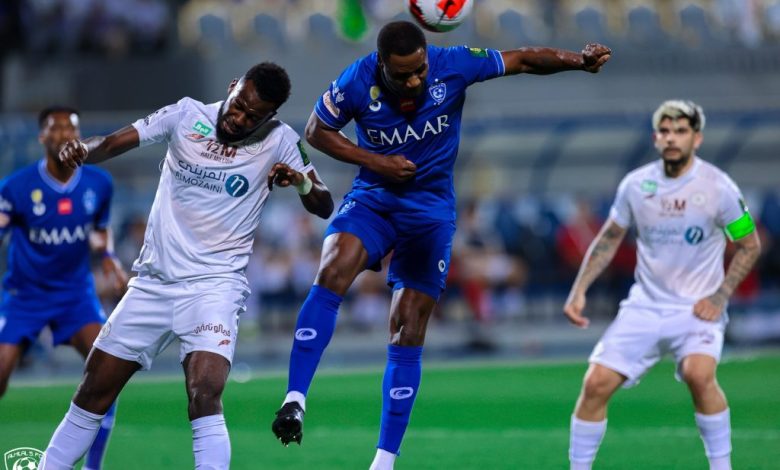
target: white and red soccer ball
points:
(440, 15)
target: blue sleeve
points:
(6, 208)
(336, 106)
(103, 213)
(475, 64)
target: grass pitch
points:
(510, 416)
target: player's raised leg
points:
(9, 357)
(589, 422)
(104, 377)
(206, 374)
(712, 412)
(82, 341)
(409, 314)
(343, 258)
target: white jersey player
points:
(683, 209)
(222, 161)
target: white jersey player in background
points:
(683, 209)
(222, 161)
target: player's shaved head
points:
(46, 112)
(271, 82)
(400, 38)
(676, 109)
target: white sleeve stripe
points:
(500, 62)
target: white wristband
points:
(305, 187)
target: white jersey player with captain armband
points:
(684, 210)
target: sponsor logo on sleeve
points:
(329, 105)
(478, 52)
(304, 156)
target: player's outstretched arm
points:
(315, 196)
(332, 142)
(748, 250)
(99, 148)
(546, 60)
(598, 257)
(102, 243)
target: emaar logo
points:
(401, 393)
(694, 235)
(305, 334)
(60, 236)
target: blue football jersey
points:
(50, 225)
(428, 136)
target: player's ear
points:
(698, 138)
(232, 85)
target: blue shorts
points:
(421, 249)
(21, 321)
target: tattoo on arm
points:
(599, 255)
(747, 253)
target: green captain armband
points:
(741, 227)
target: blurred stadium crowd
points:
(524, 222)
(122, 27)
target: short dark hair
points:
(54, 109)
(399, 38)
(271, 81)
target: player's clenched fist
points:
(594, 56)
(73, 153)
(395, 168)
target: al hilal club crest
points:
(438, 91)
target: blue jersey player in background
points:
(56, 216)
(406, 100)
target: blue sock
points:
(399, 388)
(98, 448)
(316, 322)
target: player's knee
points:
(333, 278)
(409, 336)
(698, 379)
(597, 387)
(205, 393)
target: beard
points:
(225, 136)
(673, 167)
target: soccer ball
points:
(26, 463)
(440, 16)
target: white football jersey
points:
(211, 194)
(681, 231)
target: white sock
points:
(584, 442)
(295, 396)
(71, 440)
(211, 443)
(383, 460)
(715, 431)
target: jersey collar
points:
(56, 185)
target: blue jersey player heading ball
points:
(406, 100)
(56, 216)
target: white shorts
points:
(202, 314)
(639, 336)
